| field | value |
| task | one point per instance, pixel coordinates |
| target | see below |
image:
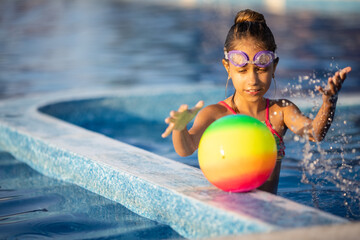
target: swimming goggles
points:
(261, 59)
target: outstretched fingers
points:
(178, 119)
(198, 106)
(338, 79)
(183, 108)
(335, 82)
(321, 90)
(344, 72)
(340, 76)
(168, 130)
(169, 120)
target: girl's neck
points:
(242, 106)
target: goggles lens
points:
(261, 59)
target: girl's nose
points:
(253, 78)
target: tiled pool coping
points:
(148, 184)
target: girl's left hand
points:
(334, 84)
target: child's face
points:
(250, 81)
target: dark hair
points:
(249, 23)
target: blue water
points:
(48, 46)
(323, 175)
(33, 206)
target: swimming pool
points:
(148, 184)
(325, 175)
(82, 45)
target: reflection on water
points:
(56, 45)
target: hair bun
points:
(248, 15)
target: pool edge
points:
(23, 140)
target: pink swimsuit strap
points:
(267, 120)
(227, 106)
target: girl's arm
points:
(185, 142)
(325, 116)
(316, 129)
(180, 118)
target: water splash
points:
(331, 166)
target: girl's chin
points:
(253, 96)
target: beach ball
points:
(237, 153)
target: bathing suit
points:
(279, 141)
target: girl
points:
(250, 61)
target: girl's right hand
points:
(180, 118)
(334, 85)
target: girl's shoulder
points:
(284, 106)
(281, 103)
(214, 111)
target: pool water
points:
(323, 175)
(33, 206)
(49, 46)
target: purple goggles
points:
(261, 59)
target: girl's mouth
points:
(252, 91)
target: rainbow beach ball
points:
(237, 153)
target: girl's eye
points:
(242, 70)
(262, 69)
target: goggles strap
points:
(226, 55)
